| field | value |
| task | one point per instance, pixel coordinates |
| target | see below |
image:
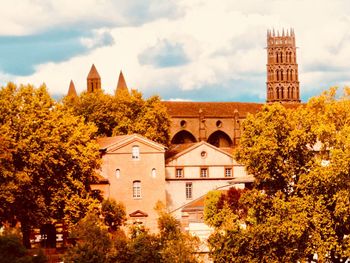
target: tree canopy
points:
(300, 205)
(49, 159)
(123, 113)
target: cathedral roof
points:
(183, 109)
(71, 91)
(210, 109)
(121, 86)
(93, 74)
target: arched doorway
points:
(183, 137)
(220, 139)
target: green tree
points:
(50, 162)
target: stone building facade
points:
(133, 172)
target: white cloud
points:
(223, 41)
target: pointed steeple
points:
(93, 80)
(121, 86)
(72, 93)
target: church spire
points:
(121, 86)
(72, 93)
(93, 80)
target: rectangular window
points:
(188, 190)
(228, 172)
(136, 189)
(135, 152)
(179, 172)
(204, 172)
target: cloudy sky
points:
(202, 50)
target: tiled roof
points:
(177, 148)
(93, 74)
(214, 109)
(210, 109)
(121, 86)
(105, 142)
(71, 91)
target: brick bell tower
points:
(282, 83)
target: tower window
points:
(183, 123)
(188, 190)
(219, 124)
(117, 173)
(136, 189)
(136, 152)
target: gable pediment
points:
(136, 139)
(138, 213)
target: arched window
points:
(281, 58)
(117, 173)
(281, 72)
(291, 75)
(154, 173)
(136, 189)
(287, 74)
(281, 93)
(278, 74)
(136, 152)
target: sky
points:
(197, 50)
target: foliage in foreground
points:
(300, 204)
(13, 251)
(96, 242)
(47, 162)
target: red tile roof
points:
(214, 109)
(105, 142)
(93, 74)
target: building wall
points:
(121, 188)
(191, 162)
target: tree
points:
(113, 213)
(299, 207)
(50, 162)
(123, 114)
(13, 251)
(176, 246)
(93, 241)
(97, 108)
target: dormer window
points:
(135, 152)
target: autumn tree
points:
(113, 213)
(123, 114)
(299, 207)
(50, 159)
(93, 243)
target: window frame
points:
(189, 190)
(182, 172)
(225, 173)
(136, 189)
(204, 168)
(135, 152)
